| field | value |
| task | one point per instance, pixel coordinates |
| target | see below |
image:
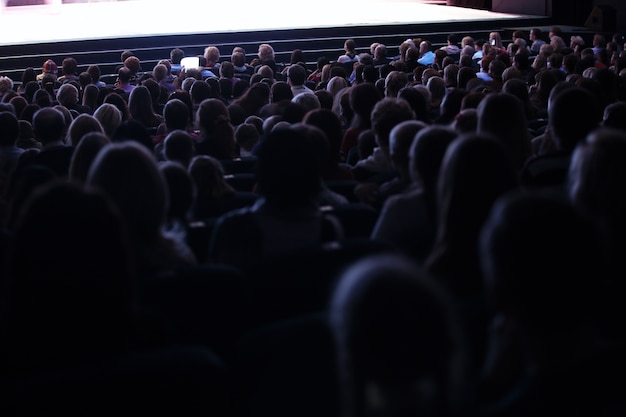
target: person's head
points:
(8, 107)
(199, 91)
(69, 287)
(557, 43)
(495, 39)
(576, 43)
(280, 91)
(84, 154)
(521, 61)
(596, 174)
(289, 165)
(400, 141)
(207, 174)
(615, 116)
(81, 125)
(67, 115)
(176, 55)
(264, 71)
(6, 85)
(265, 52)
(382, 311)
(67, 95)
(94, 71)
(386, 114)
(69, 66)
(296, 75)
(427, 74)
(28, 74)
(467, 41)
(546, 50)
(325, 98)
(426, 155)
(90, 96)
(437, 87)
(329, 123)
(535, 34)
(297, 55)
(335, 84)
(238, 59)
(503, 116)
(380, 52)
(49, 125)
(18, 103)
(551, 289)
(370, 74)
(599, 40)
(395, 81)
(159, 72)
(349, 46)
(496, 69)
(133, 64)
(247, 136)
(128, 173)
(466, 60)
(176, 115)
(464, 75)
(213, 122)
(227, 70)
(84, 79)
(362, 99)
(110, 118)
(373, 46)
(417, 101)
(451, 105)
(30, 89)
(124, 75)
(254, 98)
(180, 193)
(450, 73)
(240, 87)
(125, 54)
(476, 170)
(50, 67)
(9, 129)
(307, 100)
(179, 146)
(29, 111)
(572, 114)
(140, 104)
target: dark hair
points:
(289, 166)
(9, 129)
(69, 66)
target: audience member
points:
(129, 175)
(49, 128)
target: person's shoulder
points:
(236, 216)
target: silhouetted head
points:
(396, 338)
(289, 165)
(552, 289)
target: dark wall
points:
(574, 13)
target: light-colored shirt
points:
(427, 59)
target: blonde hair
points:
(6, 84)
(266, 51)
(212, 54)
